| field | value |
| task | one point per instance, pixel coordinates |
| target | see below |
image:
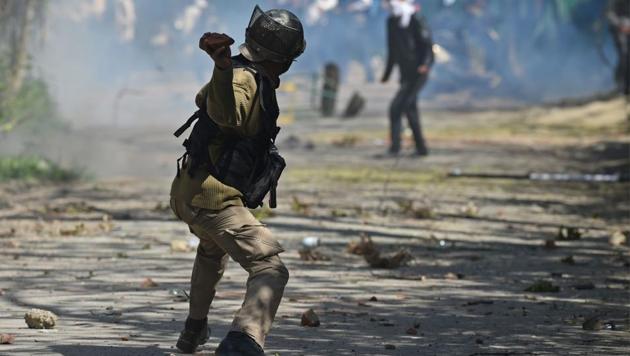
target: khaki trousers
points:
(236, 233)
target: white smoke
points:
(162, 38)
(189, 18)
(360, 5)
(81, 10)
(126, 19)
(316, 11)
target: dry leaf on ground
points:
(362, 247)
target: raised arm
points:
(229, 96)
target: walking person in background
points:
(409, 46)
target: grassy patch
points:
(33, 168)
(361, 175)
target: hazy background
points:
(144, 67)
(103, 67)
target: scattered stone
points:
(568, 260)
(619, 238)
(74, 231)
(6, 339)
(180, 246)
(124, 338)
(550, 244)
(569, 233)
(478, 341)
(148, 283)
(412, 331)
(40, 319)
(453, 276)
(543, 287)
(390, 347)
(470, 210)
(310, 319)
(373, 299)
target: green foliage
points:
(32, 107)
(32, 168)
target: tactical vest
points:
(252, 165)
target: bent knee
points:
(284, 272)
(272, 265)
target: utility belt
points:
(251, 165)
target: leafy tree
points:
(20, 23)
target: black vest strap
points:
(187, 124)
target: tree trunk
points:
(20, 49)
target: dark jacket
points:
(618, 13)
(409, 47)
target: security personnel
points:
(239, 103)
(411, 48)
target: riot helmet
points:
(275, 35)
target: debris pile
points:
(365, 247)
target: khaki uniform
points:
(215, 213)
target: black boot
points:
(238, 344)
(195, 333)
(421, 151)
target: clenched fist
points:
(217, 45)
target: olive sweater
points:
(229, 98)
